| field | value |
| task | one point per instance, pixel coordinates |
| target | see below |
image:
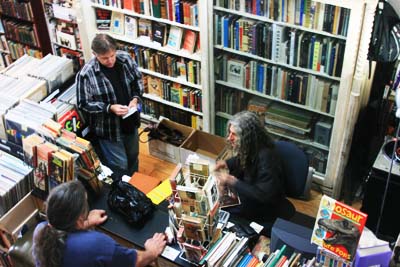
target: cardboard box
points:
(205, 145)
(23, 213)
(167, 151)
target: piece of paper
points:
(130, 112)
(170, 253)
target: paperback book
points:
(338, 228)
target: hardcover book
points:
(338, 228)
(189, 42)
(159, 33)
(103, 19)
(235, 72)
(175, 38)
(117, 23)
(145, 28)
(131, 27)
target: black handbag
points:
(129, 201)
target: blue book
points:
(260, 77)
(178, 12)
(245, 260)
(225, 28)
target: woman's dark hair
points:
(252, 136)
(65, 204)
(102, 43)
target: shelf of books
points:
(164, 38)
(22, 24)
(61, 17)
(295, 59)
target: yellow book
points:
(161, 192)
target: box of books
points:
(165, 149)
(206, 146)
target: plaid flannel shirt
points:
(95, 94)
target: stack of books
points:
(289, 120)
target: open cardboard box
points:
(24, 213)
(205, 145)
(167, 151)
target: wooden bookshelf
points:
(25, 28)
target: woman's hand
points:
(95, 217)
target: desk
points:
(117, 226)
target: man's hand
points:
(221, 164)
(156, 244)
(225, 179)
(119, 110)
(133, 103)
(95, 217)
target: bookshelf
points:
(61, 18)
(25, 30)
(176, 79)
(304, 62)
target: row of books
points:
(3, 43)
(25, 119)
(18, 50)
(5, 60)
(155, 110)
(280, 44)
(306, 13)
(15, 181)
(52, 165)
(21, 32)
(173, 66)
(229, 100)
(174, 92)
(4, 258)
(300, 88)
(185, 12)
(21, 10)
(149, 31)
(54, 70)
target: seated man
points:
(255, 172)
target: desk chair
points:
(298, 175)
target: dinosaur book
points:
(338, 228)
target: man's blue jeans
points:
(121, 156)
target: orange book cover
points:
(143, 182)
(189, 42)
(128, 4)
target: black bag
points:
(129, 201)
(385, 39)
(163, 133)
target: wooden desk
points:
(135, 236)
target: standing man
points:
(108, 86)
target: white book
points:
(131, 27)
(117, 23)
(175, 38)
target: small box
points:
(167, 151)
(205, 145)
(322, 133)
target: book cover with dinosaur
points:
(338, 228)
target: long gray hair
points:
(252, 136)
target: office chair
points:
(298, 175)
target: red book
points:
(128, 4)
(189, 42)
